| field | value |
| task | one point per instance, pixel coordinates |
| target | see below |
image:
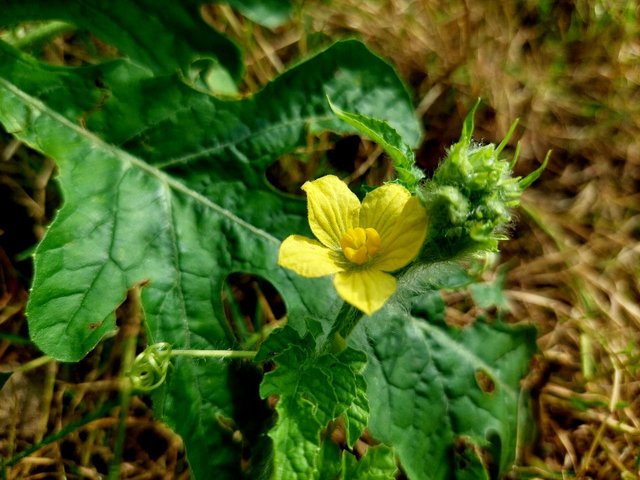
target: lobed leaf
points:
(313, 387)
(167, 184)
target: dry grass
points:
(569, 71)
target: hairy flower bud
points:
(470, 197)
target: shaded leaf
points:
(270, 13)
(190, 38)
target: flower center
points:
(360, 244)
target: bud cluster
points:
(470, 197)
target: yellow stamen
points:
(360, 244)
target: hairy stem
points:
(215, 353)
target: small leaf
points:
(533, 176)
(467, 125)
(392, 143)
(313, 389)
(488, 295)
(378, 463)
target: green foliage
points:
(270, 13)
(381, 132)
(432, 387)
(378, 464)
(314, 387)
(190, 39)
(164, 185)
(489, 295)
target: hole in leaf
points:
(251, 304)
(351, 158)
(485, 382)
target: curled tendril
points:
(150, 367)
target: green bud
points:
(470, 197)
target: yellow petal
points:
(366, 290)
(401, 221)
(307, 257)
(333, 209)
(382, 207)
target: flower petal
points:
(307, 257)
(382, 207)
(333, 209)
(401, 221)
(366, 290)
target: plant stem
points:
(35, 363)
(71, 427)
(347, 319)
(129, 331)
(215, 353)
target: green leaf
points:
(167, 184)
(378, 463)
(488, 295)
(392, 143)
(430, 385)
(313, 387)
(169, 36)
(356, 416)
(270, 13)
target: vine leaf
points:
(390, 140)
(313, 388)
(165, 183)
(432, 387)
(379, 463)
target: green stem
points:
(71, 427)
(215, 353)
(35, 363)
(347, 319)
(130, 329)
(126, 392)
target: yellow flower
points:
(358, 243)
